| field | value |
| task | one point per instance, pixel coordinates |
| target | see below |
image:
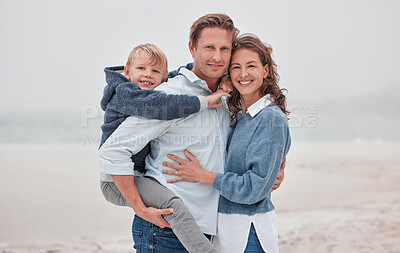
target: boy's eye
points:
(156, 71)
(140, 67)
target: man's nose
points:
(217, 55)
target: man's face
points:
(212, 53)
(144, 73)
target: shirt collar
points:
(259, 105)
(193, 78)
(189, 75)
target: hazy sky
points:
(53, 52)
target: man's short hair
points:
(212, 20)
(155, 55)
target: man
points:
(203, 134)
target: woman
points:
(256, 148)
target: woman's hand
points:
(188, 170)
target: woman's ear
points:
(266, 71)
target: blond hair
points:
(155, 55)
(218, 20)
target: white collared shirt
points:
(259, 105)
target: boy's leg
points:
(182, 222)
(112, 194)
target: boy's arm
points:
(153, 104)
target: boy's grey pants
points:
(158, 196)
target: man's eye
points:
(210, 47)
(225, 48)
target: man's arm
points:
(127, 187)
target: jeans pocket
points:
(166, 242)
(137, 239)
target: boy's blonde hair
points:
(155, 55)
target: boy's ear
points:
(165, 79)
(126, 72)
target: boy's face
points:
(212, 53)
(144, 73)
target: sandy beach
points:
(336, 197)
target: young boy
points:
(133, 94)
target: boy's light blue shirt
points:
(204, 134)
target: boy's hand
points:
(213, 98)
(226, 84)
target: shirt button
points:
(154, 234)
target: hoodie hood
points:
(114, 78)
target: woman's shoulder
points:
(273, 113)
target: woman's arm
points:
(264, 159)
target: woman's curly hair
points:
(269, 85)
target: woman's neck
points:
(248, 100)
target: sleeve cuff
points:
(203, 102)
(116, 169)
(217, 181)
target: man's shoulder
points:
(174, 85)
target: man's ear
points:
(192, 48)
(126, 72)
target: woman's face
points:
(247, 72)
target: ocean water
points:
(305, 126)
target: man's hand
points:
(214, 97)
(126, 185)
(281, 176)
(154, 215)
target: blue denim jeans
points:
(253, 244)
(151, 238)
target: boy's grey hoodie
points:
(122, 98)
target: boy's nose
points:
(147, 73)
